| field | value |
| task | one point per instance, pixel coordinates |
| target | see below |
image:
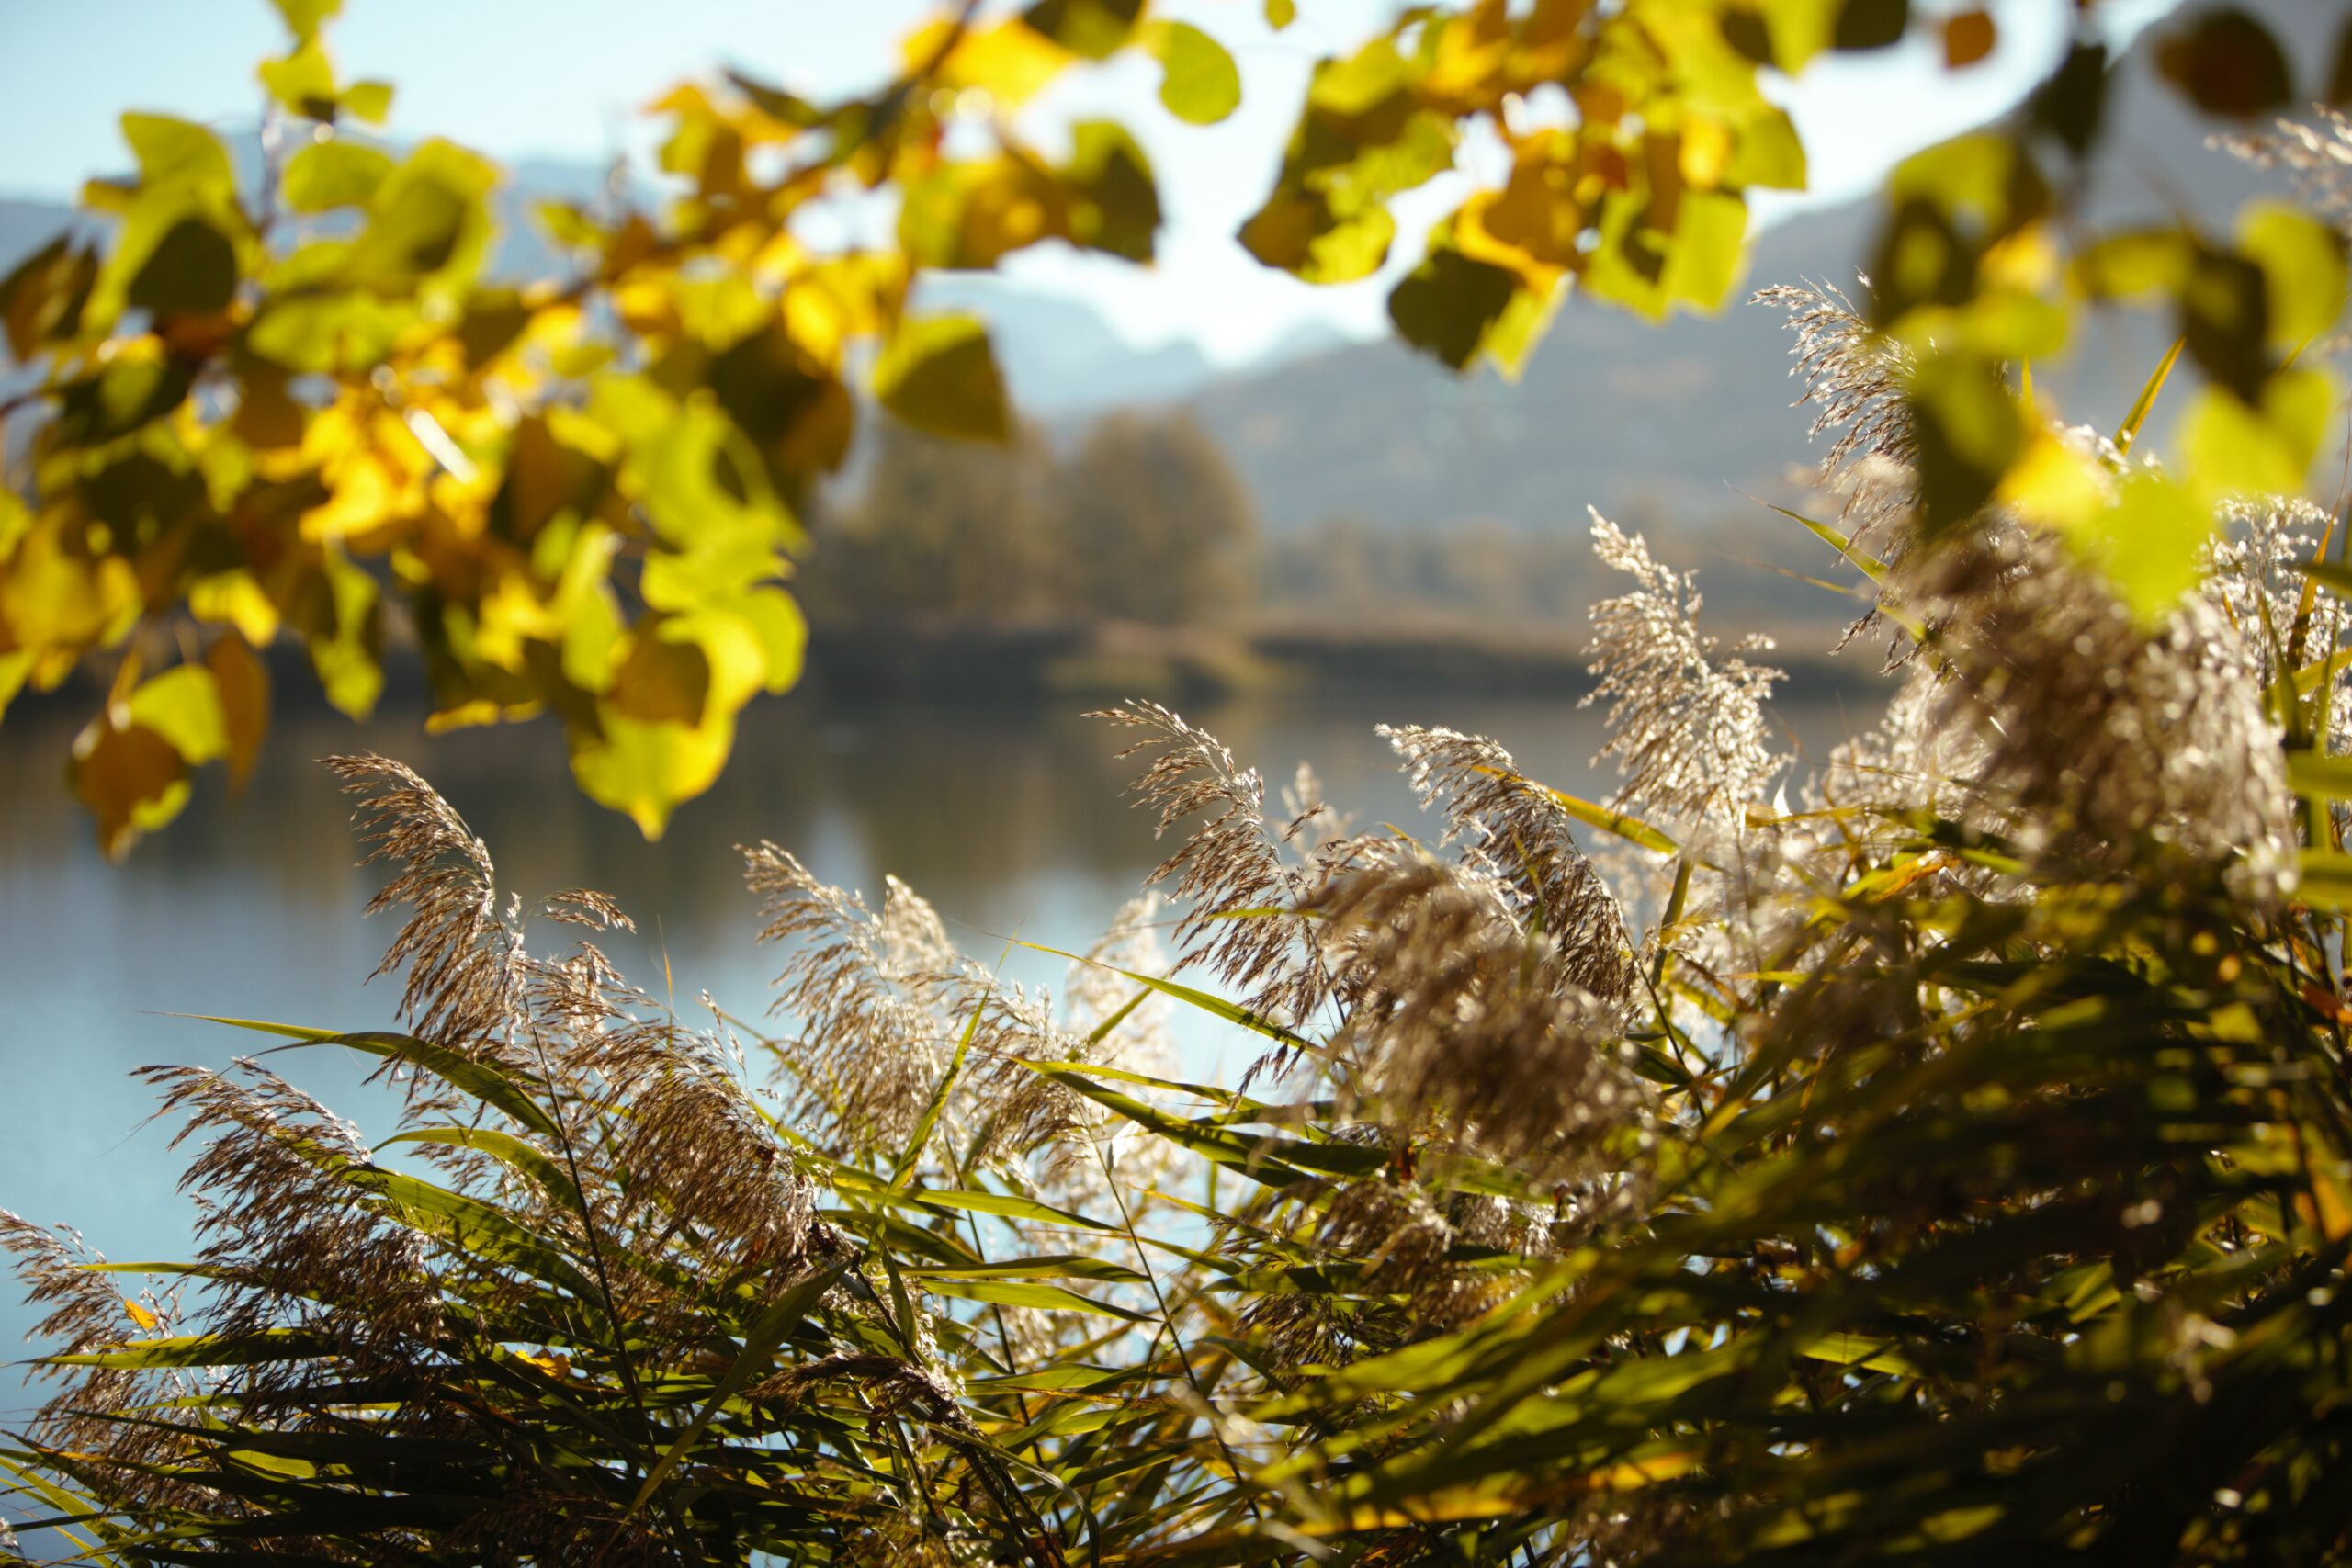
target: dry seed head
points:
(1685, 722)
(1459, 1022)
(1229, 871)
(460, 988)
(1516, 832)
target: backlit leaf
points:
(2302, 266)
(1969, 432)
(1199, 82)
(183, 705)
(327, 174)
(130, 779)
(2226, 62)
(304, 17)
(1092, 28)
(243, 684)
(2149, 546)
(938, 373)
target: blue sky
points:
(564, 79)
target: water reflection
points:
(1008, 818)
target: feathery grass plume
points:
(1458, 1022)
(864, 987)
(2317, 156)
(2253, 571)
(85, 1316)
(1517, 832)
(2100, 738)
(1241, 894)
(692, 1143)
(894, 1021)
(1685, 722)
(1858, 382)
(1856, 378)
(1439, 1252)
(1911, 760)
(458, 954)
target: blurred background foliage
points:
(298, 408)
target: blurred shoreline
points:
(1024, 663)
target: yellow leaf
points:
(1010, 60)
(645, 770)
(130, 779)
(244, 685)
(939, 374)
(1704, 152)
(183, 705)
(2053, 485)
(2149, 544)
(140, 1315)
(2235, 449)
(1199, 84)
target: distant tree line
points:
(1143, 519)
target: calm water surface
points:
(1010, 820)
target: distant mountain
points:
(1612, 410)
(1060, 357)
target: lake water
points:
(1010, 818)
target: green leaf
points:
(304, 17)
(429, 221)
(939, 375)
(645, 770)
(2225, 321)
(369, 100)
(1199, 82)
(2263, 450)
(460, 1072)
(1216, 1007)
(2313, 772)
(778, 1319)
(1446, 305)
(478, 1227)
(180, 153)
(1630, 829)
(303, 83)
(126, 395)
(1059, 1266)
(328, 175)
(2302, 266)
(1008, 1206)
(2324, 878)
(2128, 431)
(42, 297)
(507, 1149)
(1016, 1292)
(1093, 29)
(190, 269)
(1118, 206)
(2150, 544)
(1871, 24)
(1969, 432)
(203, 1351)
